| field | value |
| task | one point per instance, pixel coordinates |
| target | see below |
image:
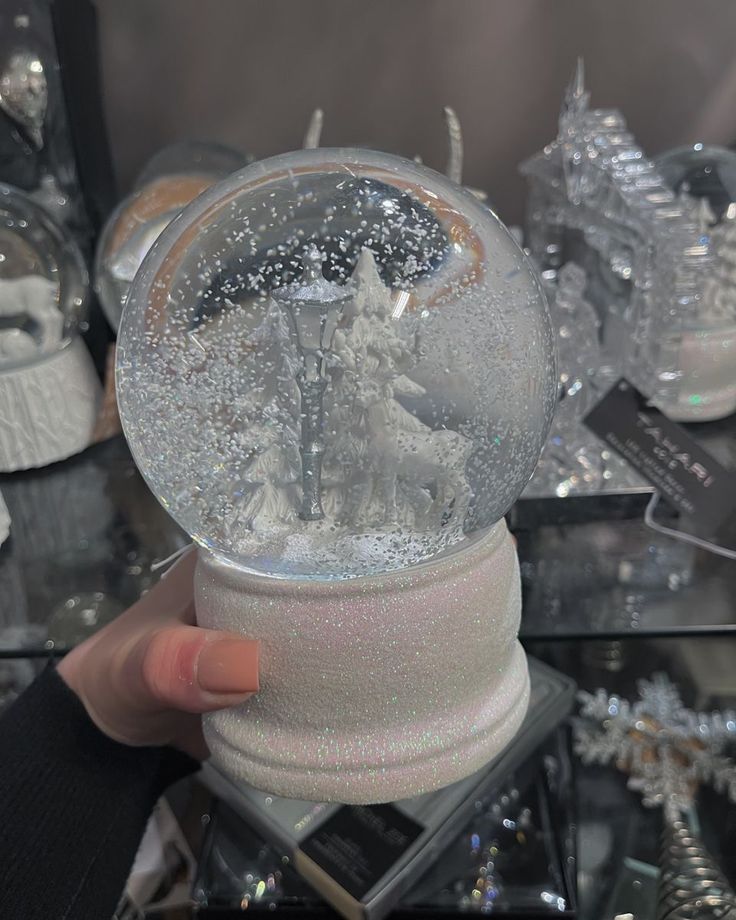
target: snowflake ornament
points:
(667, 749)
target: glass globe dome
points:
(702, 172)
(705, 347)
(706, 177)
(336, 363)
(43, 282)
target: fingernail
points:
(228, 665)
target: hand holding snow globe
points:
(336, 371)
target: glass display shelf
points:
(515, 857)
(590, 567)
(85, 533)
(594, 827)
(573, 818)
(619, 844)
(614, 578)
(618, 840)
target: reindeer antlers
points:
(314, 130)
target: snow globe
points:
(170, 180)
(49, 389)
(336, 371)
(704, 178)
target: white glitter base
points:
(707, 390)
(48, 408)
(376, 688)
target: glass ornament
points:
(705, 173)
(49, 390)
(43, 282)
(336, 363)
(169, 181)
(704, 178)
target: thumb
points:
(195, 670)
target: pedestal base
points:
(707, 391)
(48, 408)
(372, 689)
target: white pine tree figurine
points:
(400, 459)
(270, 431)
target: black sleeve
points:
(73, 806)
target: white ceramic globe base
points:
(708, 387)
(374, 688)
(48, 408)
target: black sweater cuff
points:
(73, 806)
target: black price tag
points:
(665, 454)
(359, 844)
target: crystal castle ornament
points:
(595, 199)
(571, 461)
(336, 371)
(574, 461)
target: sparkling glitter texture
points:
(666, 749)
(376, 688)
(341, 331)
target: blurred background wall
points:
(249, 72)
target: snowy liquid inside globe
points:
(336, 363)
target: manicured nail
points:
(228, 665)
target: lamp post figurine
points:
(314, 305)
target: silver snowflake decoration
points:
(666, 749)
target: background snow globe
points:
(49, 390)
(705, 177)
(171, 179)
(336, 371)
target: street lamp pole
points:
(314, 306)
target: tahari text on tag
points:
(665, 454)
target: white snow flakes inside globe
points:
(335, 363)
